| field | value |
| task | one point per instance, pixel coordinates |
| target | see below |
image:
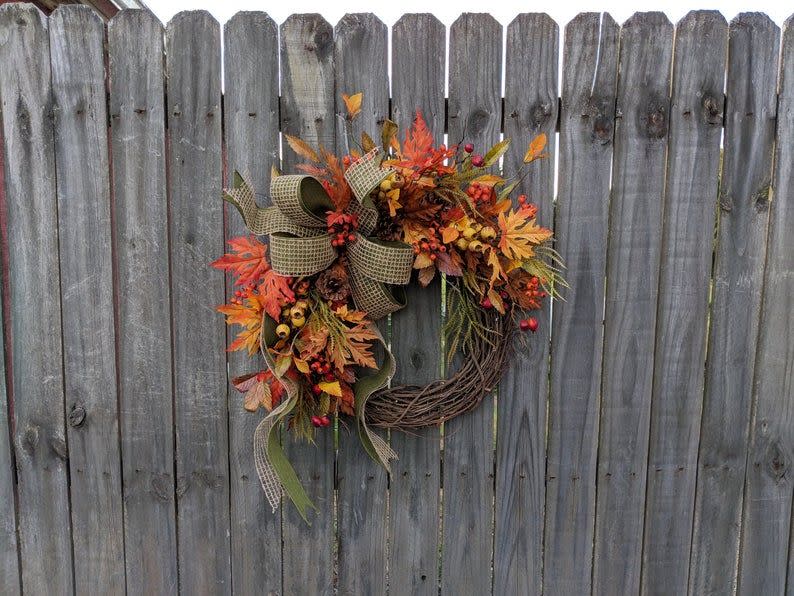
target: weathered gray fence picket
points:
(642, 442)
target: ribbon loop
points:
(386, 262)
(366, 173)
(294, 257)
(301, 199)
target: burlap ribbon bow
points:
(301, 246)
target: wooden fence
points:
(647, 447)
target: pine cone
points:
(333, 284)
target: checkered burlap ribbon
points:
(274, 470)
(299, 244)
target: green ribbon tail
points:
(365, 386)
(286, 473)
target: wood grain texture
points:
(361, 65)
(475, 110)
(766, 524)
(696, 113)
(738, 275)
(252, 140)
(77, 37)
(587, 121)
(530, 107)
(9, 554)
(137, 121)
(36, 374)
(307, 111)
(415, 333)
(196, 224)
(633, 256)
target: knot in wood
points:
(30, 438)
(59, 448)
(602, 129)
(656, 122)
(540, 113)
(777, 461)
(163, 487)
(477, 122)
(712, 110)
(76, 415)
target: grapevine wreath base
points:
(405, 407)
(343, 237)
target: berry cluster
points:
(481, 193)
(432, 245)
(320, 370)
(534, 291)
(342, 227)
(528, 209)
(246, 291)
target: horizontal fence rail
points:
(641, 442)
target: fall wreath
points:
(343, 237)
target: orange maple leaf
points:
(519, 235)
(248, 314)
(247, 260)
(275, 293)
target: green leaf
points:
(495, 152)
(367, 144)
(505, 192)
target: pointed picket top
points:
(135, 18)
(651, 19)
(691, 19)
(585, 19)
(358, 22)
(250, 18)
(408, 19)
(539, 19)
(77, 12)
(194, 16)
(481, 20)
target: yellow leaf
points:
(488, 180)
(496, 301)
(393, 197)
(367, 144)
(536, 147)
(302, 148)
(353, 104)
(496, 267)
(422, 260)
(301, 365)
(519, 235)
(449, 235)
(331, 387)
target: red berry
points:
(477, 161)
(486, 303)
(523, 324)
(316, 389)
(468, 148)
(351, 238)
(532, 324)
(317, 421)
(325, 421)
(329, 377)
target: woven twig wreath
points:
(345, 235)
